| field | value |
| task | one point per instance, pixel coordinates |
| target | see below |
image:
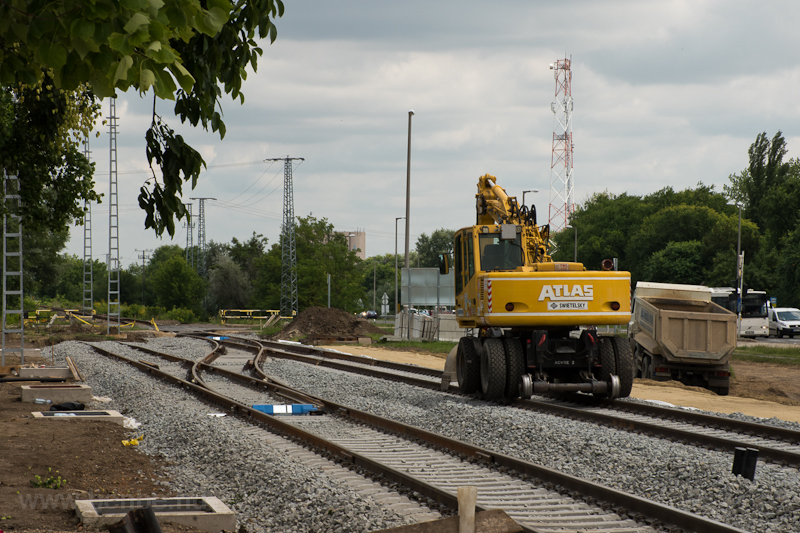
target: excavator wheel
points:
(515, 366)
(493, 369)
(608, 362)
(468, 364)
(626, 367)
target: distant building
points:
(356, 241)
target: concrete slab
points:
(27, 352)
(206, 513)
(46, 372)
(111, 416)
(57, 393)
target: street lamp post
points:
(576, 240)
(529, 190)
(739, 271)
(395, 264)
(408, 187)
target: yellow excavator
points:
(532, 321)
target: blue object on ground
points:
(291, 409)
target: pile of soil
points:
(316, 322)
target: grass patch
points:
(766, 354)
(443, 347)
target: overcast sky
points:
(666, 93)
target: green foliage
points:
(189, 51)
(789, 356)
(678, 262)
(228, 285)
(429, 248)
(48, 482)
(177, 285)
(184, 316)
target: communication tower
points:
(288, 244)
(562, 199)
(189, 230)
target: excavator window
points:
(458, 264)
(497, 254)
(470, 255)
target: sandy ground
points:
(670, 392)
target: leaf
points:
(133, 5)
(214, 20)
(82, 28)
(119, 42)
(135, 22)
(123, 66)
(185, 79)
(146, 79)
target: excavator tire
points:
(468, 365)
(493, 369)
(626, 366)
(515, 366)
(608, 361)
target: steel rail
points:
(632, 503)
(559, 409)
(599, 492)
(273, 386)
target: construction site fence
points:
(271, 315)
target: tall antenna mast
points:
(288, 244)
(562, 193)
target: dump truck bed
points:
(684, 330)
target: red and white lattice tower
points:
(562, 200)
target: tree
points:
(678, 262)
(187, 51)
(320, 251)
(429, 248)
(177, 285)
(228, 285)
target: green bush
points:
(185, 316)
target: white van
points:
(784, 321)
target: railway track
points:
(539, 498)
(775, 444)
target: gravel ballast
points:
(212, 453)
(215, 456)
(687, 477)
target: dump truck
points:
(678, 333)
(532, 321)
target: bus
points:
(755, 319)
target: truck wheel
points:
(647, 367)
(608, 362)
(493, 369)
(722, 391)
(468, 364)
(515, 366)
(625, 365)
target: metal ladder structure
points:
(88, 267)
(288, 243)
(202, 267)
(13, 295)
(189, 231)
(113, 313)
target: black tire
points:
(493, 369)
(468, 365)
(626, 367)
(721, 391)
(647, 367)
(515, 366)
(780, 333)
(608, 361)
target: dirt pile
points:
(316, 322)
